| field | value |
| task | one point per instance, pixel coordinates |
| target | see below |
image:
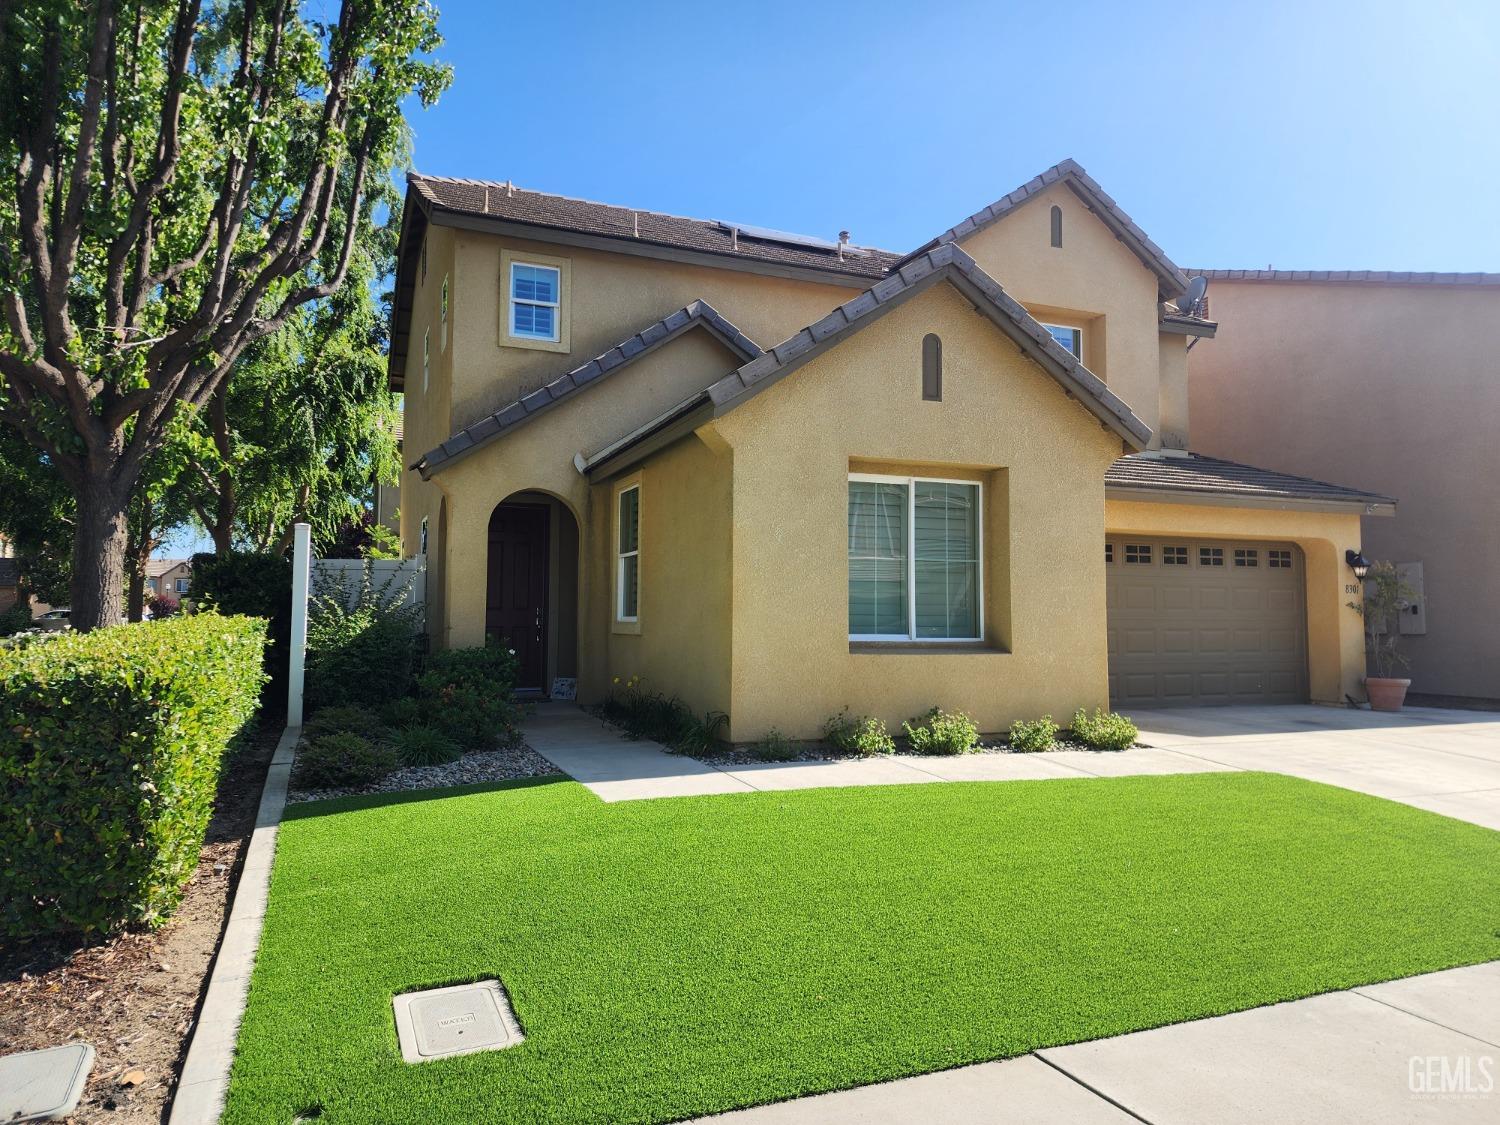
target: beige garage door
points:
(1202, 621)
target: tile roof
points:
(699, 314)
(561, 212)
(1196, 474)
(10, 572)
(1172, 280)
(944, 262)
(1356, 277)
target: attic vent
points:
(932, 367)
(1056, 225)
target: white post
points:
(301, 570)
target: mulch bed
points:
(136, 996)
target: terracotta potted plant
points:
(1386, 598)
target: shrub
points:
(15, 619)
(423, 746)
(341, 761)
(864, 735)
(345, 720)
(467, 692)
(775, 747)
(942, 732)
(1034, 736)
(363, 652)
(399, 714)
(662, 718)
(1104, 730)
(163, 605)
(110, 748)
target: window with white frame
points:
(182, 585)
(535, 297)
(914, 559)
(443, 314)
(426, 357)
(628, 554)
(1070, 338)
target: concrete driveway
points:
(1444, 761)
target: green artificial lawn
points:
(678, 957)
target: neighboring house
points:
(170, 577)
(1389, 379)
(777, 476)
(10, 578)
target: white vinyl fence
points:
(322, 578)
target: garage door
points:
(1202, 621)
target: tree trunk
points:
(99, 554)
(139, 543)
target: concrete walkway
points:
(1444, 761)
(1368, 1056)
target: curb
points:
(199, 1098)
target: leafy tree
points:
(182, 180)
(36, 516)
(307, 423)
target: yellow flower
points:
(617, 679)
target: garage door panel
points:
(1200, 634)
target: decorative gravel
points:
(471, 769)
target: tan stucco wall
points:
(1001, 416)
(1335, 637)
(682, 646)
(1093, 280)
(539, 456)
(1395, 389)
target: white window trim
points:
(910, 636)
(182, 585)
(621, 556)
(512, 301)
(1082, 336)
(443, 314)
(426, 358)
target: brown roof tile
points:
(1195, 473)
(560, 212)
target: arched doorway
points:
(531, 590)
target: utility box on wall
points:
(1413, 621)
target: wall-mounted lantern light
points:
(1357, 563)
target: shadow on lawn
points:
(306, 810)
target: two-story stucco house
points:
(777, 476)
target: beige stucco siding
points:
(428, 412)
(1390, 388)
(1042, 458)
(1093, 281)
(612, 297)
(1335, 637)
(681, 645)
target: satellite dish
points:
(1191, 304)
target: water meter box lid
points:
(458, 1020)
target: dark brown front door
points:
(516, 604)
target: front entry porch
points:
(531, 588)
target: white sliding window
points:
(915, 571)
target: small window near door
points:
(1109, 552)
(1279, 560)
(1174, 556)
(1071, 339)
(1137, 552)
(1210, 556)
(628, 555)
(1245, 556)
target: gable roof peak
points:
(1171, 282)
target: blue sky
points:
(1301, 135)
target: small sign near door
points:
(564, 687)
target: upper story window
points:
(535, 296)
(426, 357)
(534, 301)
(1070, 338)
(914, 559)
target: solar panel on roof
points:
(766, 234)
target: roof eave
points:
(1371, 506)
(1188, 326)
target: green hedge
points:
(110, 747)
